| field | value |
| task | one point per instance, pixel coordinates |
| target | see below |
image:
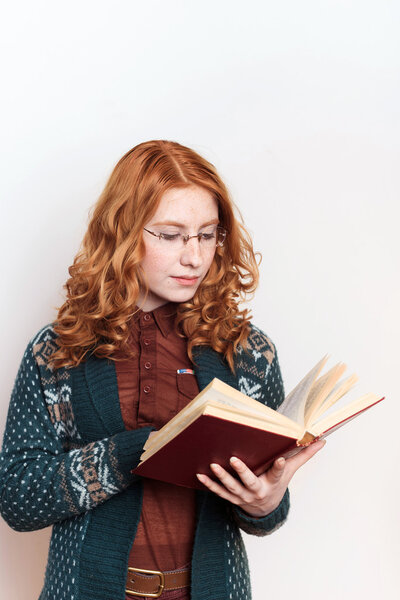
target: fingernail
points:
(200, 477)
(214, 466)
(281, 461)
(233, 459)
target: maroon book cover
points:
(212, 439)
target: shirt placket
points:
(147, 370)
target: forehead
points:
(186, 205)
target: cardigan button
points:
(147, 317)
(147, 365)
(146, 342)
(146, 389)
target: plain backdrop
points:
(297, 106)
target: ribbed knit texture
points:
(66, 460)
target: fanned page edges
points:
(316, 394)
(339, 390)
(320, 390)
(294, 405)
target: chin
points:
(180, 296)
(163, 296)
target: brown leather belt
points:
(151, 584)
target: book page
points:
(294, 404)
(293, 431)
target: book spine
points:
(307, 439)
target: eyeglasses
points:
(209, 239)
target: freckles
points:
(155, 263)
(210, 261)
(153, 257)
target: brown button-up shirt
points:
(151, 392)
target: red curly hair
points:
(106, 276)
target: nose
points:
(191, 253)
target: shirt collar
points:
(164, 317)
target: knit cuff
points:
(263, 525)
(129, 449)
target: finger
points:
(217, 489)
(295, 462)
(275, 472)
(232, 485)
(250, 480)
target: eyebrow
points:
(213, 222)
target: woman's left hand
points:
(258, 496)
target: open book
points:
(221, 422)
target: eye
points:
(209, 234)
(169, 236)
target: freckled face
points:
(193, 208)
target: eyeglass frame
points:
(186, 238)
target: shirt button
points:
(146, 342)
(146, 389)
(147, 365)
(147, 317)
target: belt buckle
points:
(161, 584)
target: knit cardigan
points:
(66, 461)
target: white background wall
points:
(297, 105)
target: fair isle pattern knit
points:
(66, 461)
(262, 378)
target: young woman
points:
(151, 316)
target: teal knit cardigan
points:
(66, 462)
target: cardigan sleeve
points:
(264, 525)
(40, 481)
(271, 393)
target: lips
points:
(186, 280)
